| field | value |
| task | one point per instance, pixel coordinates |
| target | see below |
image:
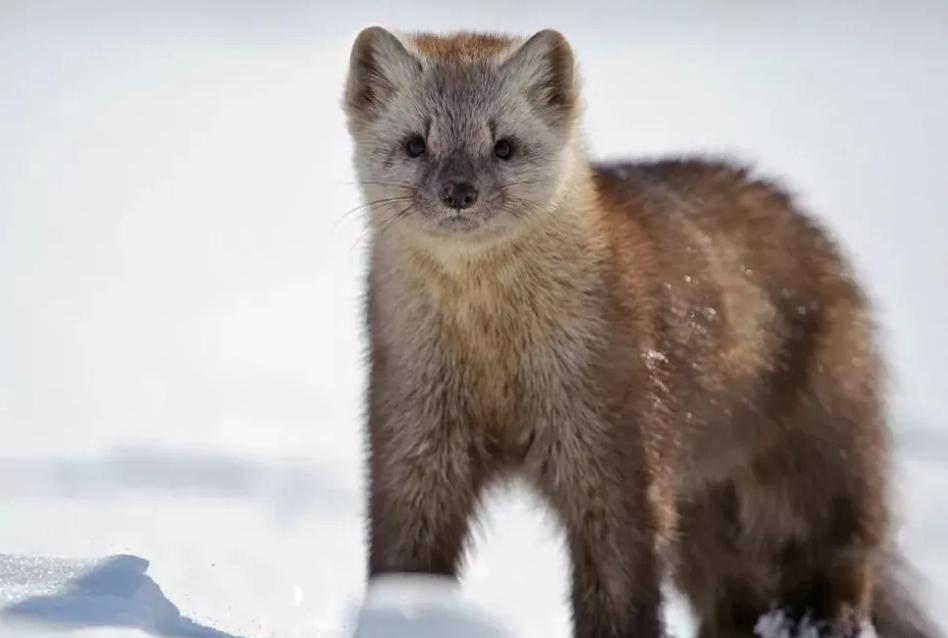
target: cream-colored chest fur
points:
(502, 344)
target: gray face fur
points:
(456, 109)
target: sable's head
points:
(465, 135)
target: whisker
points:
(394, 219)
(523, 206)
(403, 185)
(376, 182)
(375, 205)
(382, 227)
(523, 182)
(371, 206)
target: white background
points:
(180, 346)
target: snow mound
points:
(112, 595)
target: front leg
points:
(609, 499)
(424, 484)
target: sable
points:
(673, 352)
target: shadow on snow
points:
(115, 592)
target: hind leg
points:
(786, 549)
(801, 520)
(725, 587)
(813, 506)
(816, 518)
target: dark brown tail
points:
(897, 613)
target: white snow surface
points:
(180, 279)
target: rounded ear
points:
(379, 64)
(544, 68)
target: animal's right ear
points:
(378, 65)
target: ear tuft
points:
(545, 67)
(379, 64)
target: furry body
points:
(673, 353)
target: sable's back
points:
(756, 220)
(739, 282)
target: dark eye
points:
(415, 146)
(503, 149)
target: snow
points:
(422, 606)
(180, 353)
(776, 624)
(111, 592)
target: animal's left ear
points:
(545, 69)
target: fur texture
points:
(673, 352)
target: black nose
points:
(458, 194)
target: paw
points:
(780, 622)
